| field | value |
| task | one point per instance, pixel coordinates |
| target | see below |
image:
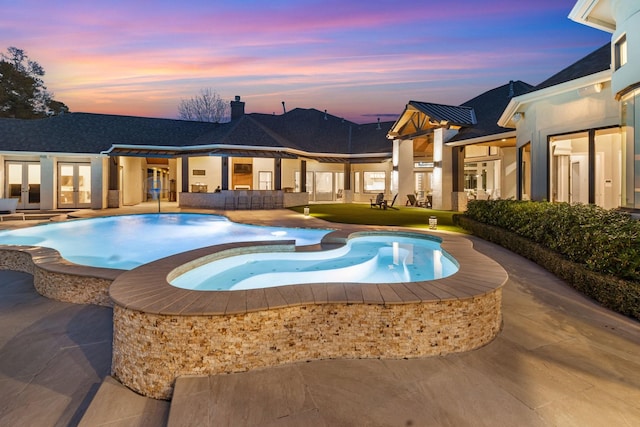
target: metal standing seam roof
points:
(451, 114)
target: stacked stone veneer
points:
(58, 279)
(151, 350)
(162, 332)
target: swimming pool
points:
(367, 259)
(128, 241)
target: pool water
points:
(368, 259)
(127, 241)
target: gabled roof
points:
(313, 131)
(293, 134)
(596, 61)
(95, 133)
(488, 107)
(454, 115)
(477, 117)
(593, 68)
(421, 118)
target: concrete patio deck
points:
(560, 360)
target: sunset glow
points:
(357, 59)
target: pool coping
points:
(146, 288)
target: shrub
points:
(604, 241)
(616, 294)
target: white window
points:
(374, 182)
(265, 180)
(620, 52)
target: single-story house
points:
(80, 160)
(570, 139)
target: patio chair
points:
(411, 200)
(379, 202)
(390, 206)
(8, 208)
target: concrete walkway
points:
(560, 360)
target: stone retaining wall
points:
(151, 350)
(56, 278)
(243, 199)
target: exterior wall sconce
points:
(591, 89)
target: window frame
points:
(620, 52)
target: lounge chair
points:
(379, 202)
(412, 201)
(8, 208)
(390, 206)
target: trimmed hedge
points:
(600, 249)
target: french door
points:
(74, 185)
(23, 183)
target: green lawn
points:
(362, 213)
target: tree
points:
(206, 107)
(23, 94)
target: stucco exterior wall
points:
(212, 167)
(569, 111)
(289, 167)
(509, 172)
(131, 187)
(48, 181)
(627, 18)
(363, 196)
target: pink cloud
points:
(122, 57)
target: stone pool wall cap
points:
(146, 288)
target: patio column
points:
(277, 172)
(347, 193)
(592, 166)
(442, 169)
(225, 173)
(113, 194)
(402, 182)
(458, 195)
(185, 174)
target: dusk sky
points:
(357, 59)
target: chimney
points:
(237, 108)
